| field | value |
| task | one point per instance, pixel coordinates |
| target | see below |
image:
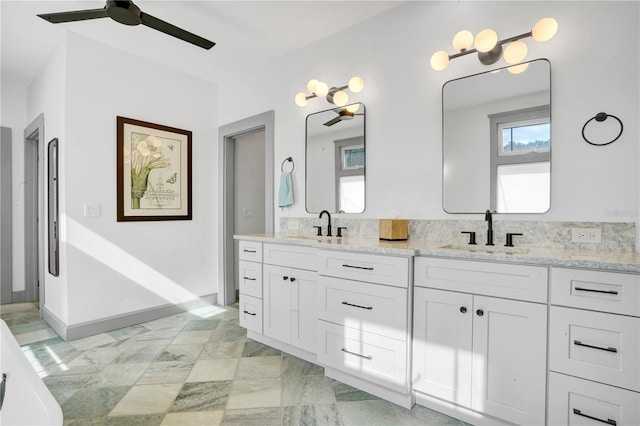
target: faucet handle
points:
(319, 234)
(340, 228)
(472, 236)
(510, 236)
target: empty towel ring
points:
(293, 165)
(599, 117)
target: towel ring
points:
(293, 165)
(599, 117)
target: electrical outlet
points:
(293, 225)
(586, 235)
(92, 210)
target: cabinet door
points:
(304, 306)
(442, 344)
(509, 359)
(277, 302)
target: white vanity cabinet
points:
(364, 318)
(250, 283)
(290, 295)
(479, 339)
(594, 347)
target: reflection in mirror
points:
(497, 141)
(335, 160)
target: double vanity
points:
(501, 336)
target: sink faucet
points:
(488, 218)
(329, 221)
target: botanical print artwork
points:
(154, 171)
(155, 164)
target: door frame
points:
(33, 211)
(226, 154)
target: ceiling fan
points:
(125, 12)
(343, 114)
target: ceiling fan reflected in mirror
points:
(344, 113)
(127, 13)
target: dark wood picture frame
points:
(154, 177)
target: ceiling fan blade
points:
(172, 30)
(333, 121)
(77, 15)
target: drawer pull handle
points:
(367, 268)
(247, 278)
(358, 306)
(595, 291)
(357, 354)
(249, 313)
(609, 349)
(248, 251)
(608, 421)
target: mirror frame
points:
(336, 157)
(491, 203)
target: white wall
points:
(594, 67)
(110, 268)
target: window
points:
(350, 184)
(521, 160)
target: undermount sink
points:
(317, 238)
(486, 249)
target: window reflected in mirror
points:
(335, 160)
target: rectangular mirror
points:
(496, 141)
(335, 160)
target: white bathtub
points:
(27, 401)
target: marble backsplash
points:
(616, 236)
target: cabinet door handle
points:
(367, 268)
(248, 251)
(463, 309)
(249, 313)
(356, 354)
(247, 278)
(358, 306)
(284, 278)
(292, 279)
(609, 349)
(480, 312)
(608, 421)
(592, 290)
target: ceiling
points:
(242, 30)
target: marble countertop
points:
(609, 260)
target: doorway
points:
(232, 190)
(33, 208)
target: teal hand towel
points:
(285, 195)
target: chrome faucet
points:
(328, 223)
(488, 218)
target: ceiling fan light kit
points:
(127, 13)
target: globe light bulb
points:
(311, 85)
(356, 84)
(340, 98)
(440, 60)
(301, 99)
(353, 108)
(462, 40)
(486, 40)
(517, 69)
(544, 29)
(321, 89)
(515, 52)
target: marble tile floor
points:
(193, 368)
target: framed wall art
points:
(154, 171)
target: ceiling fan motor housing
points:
(124, 11)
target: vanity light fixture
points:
(489, 48)
(335, 95)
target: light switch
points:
(92, 210)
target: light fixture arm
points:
(498, 43)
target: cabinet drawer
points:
(389, 270)
(368, 356)
(251, 313)
(250, 278)
(250, 250)
(574, 401)
(509, 281)
(601, 291)
(291, 256)
(596, 346)
(375, 308)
